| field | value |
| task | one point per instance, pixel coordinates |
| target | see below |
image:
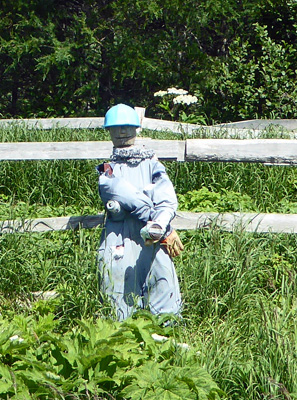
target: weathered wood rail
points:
(174, 150)
(249, 222)
(268, 151)
(243, 129)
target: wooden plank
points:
(51, 224)
(140, 112)
(55, 150)
(233, 129)
(270, 151)
(242, 129)
(172, 126)
(182, 128)
(50, 123)
(172, 150)
(260, 124)
(97, 122)
(249, 222)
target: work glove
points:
(151, 233)
(173, 244)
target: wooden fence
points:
(243, 129)
(267, 151)
(249, 222)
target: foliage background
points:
(76, 58)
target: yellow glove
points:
(173, 244)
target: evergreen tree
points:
(78, 57)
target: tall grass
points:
(55, 183)
(20, 133)
(74, 182)
(240, 304)
(65, 262)
(239, 294)
(271, 188)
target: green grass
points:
(240, 301)
(19, 133)
(271, 188)
(73, 184)
(54, 183)
(239, 289)
(239, 293)
(62, 261)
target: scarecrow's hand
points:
(173, 244)
(151, 233)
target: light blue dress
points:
(131, 274)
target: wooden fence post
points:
(140, 111)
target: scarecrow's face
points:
(123, 135)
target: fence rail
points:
(238, 129)
(268, 151)
(249, 222)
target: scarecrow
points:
(138, 243)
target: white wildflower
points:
(174, 90)
(159, 338)
(183, 346)
(160, 93)
(162, 339)
(188, 99)
(16, 338)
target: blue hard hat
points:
(121, 114)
